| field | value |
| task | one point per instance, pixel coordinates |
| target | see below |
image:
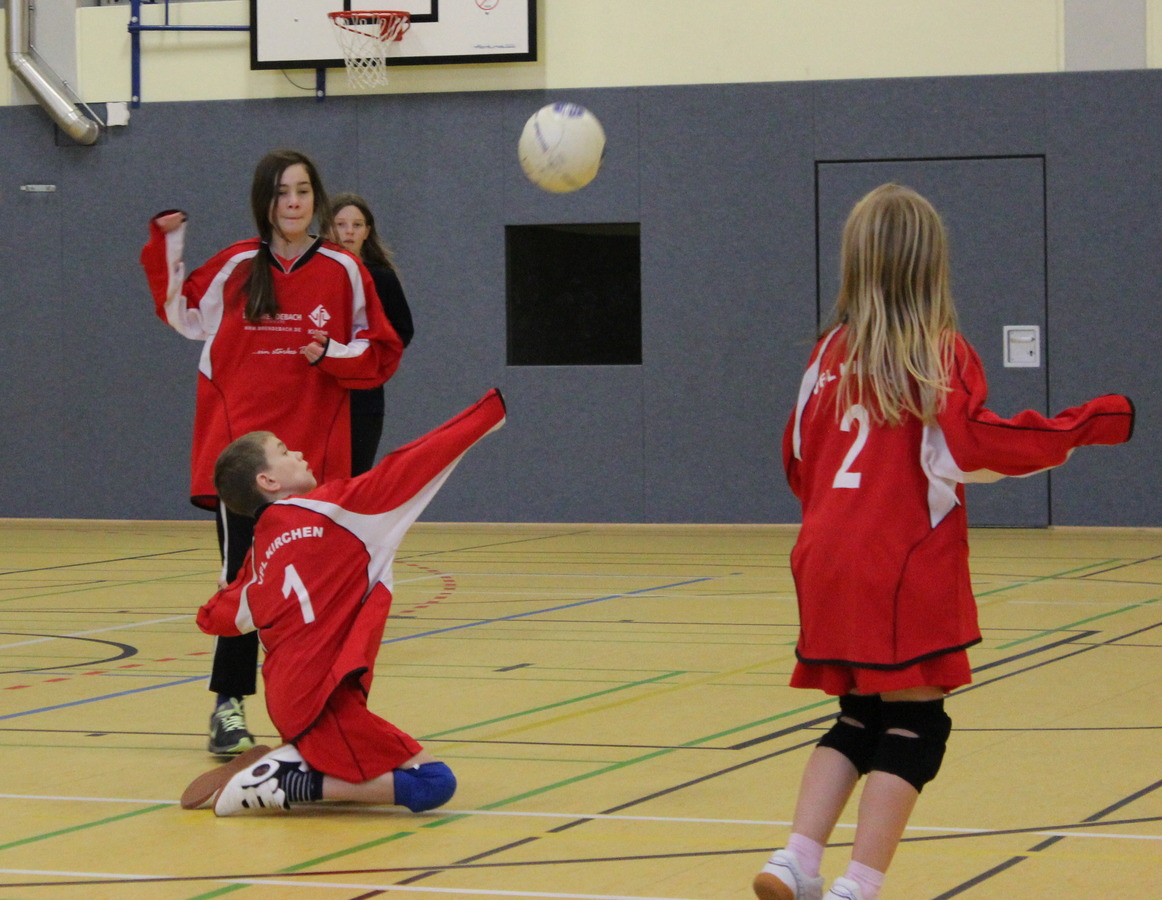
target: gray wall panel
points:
(434, 170)
(611, 197)
(34, 364)
(573, 445)
(1105, 185)
(929, 117)
(722, 179)
(728, 295)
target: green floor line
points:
(75, 828)
(653, 755)
(456, 817)
(558, 704)
(1078, 623)
(298, 867)
(1040, 578)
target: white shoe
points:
(260, 785)
(844, 889)
(204, 789)
(783, 866)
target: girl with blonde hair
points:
(889, 425)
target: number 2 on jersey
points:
(292, 582)
(857, 416)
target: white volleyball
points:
(561, 147)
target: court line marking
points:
(472, 624)
(113, 696)
(538, 709)
(546, 789)
(100, 562)
(1071, 625)
(1019, 858)
(89, 587)
(668, 820)
(1011, 585)
(121, 627)
(281, 882)
(551, 609)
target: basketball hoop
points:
(364, 37)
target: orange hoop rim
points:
(392, 22)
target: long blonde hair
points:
(896, 304)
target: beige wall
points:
(601, 43)
(1154, 33)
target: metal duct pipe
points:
(49, 91)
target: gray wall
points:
(725, 181)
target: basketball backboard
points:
(296, 34)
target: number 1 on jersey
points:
(292, 582)
(857, 415)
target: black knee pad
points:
(915, 759)
(857, 743)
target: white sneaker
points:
(203, 790)
(844, 889)
(768, 885)
(260, 785)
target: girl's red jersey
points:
(881, 563)
(252, 375)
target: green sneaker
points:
(228, 734)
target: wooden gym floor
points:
(613, 700)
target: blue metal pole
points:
(135, 29)
(134, 55)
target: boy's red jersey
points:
(881, 562)
(317, 582)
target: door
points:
(994, 212)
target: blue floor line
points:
(541, 612)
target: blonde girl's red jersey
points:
(881, 563)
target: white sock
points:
(869, 880)
(808, 852)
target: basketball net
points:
(364, 37)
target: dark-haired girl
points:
(290, 324)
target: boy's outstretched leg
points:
(278, 780)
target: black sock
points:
(300, 786)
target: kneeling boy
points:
(316, 585)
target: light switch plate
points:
(1022, 347)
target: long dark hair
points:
(260, 300)
(374, 251)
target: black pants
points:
(235, 658)
(366, 430)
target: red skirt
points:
(947, 671)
